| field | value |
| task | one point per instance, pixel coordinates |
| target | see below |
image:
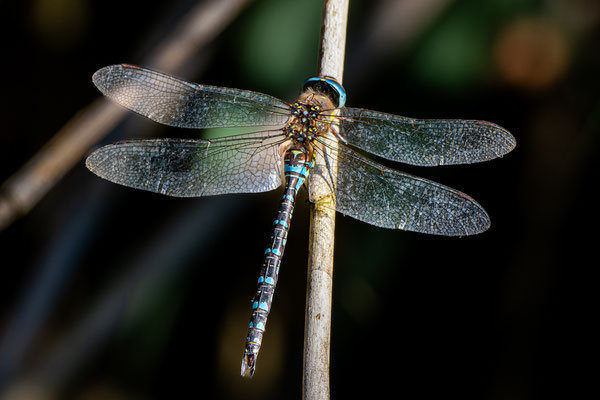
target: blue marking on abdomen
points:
(300, 169)
(299, 184)
(270, 281)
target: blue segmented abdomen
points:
(297, 166)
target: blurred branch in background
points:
(24, 189)
(21, 192)
(149, 271)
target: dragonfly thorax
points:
(305, 123)
(302, 125)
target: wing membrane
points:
(425, 142)
(388, 198)
(189, 168)
(174, 102)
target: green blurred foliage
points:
(269, 31)
(455, 54)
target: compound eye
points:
(328, 86)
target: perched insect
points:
(281, 149)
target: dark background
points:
(113, 293)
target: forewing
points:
(190, 168)
(388, 198)
(425, 142)
(174, 102)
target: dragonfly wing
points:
(190, 168)
(388, 198)
(425, 142)
(174, 102)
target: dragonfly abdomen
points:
(297, 168)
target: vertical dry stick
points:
(317, 330)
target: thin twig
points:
(317, 331)
(21, 192)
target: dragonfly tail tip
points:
(248, 365)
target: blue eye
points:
(338, 88)
(328, 86)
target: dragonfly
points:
(288, 144)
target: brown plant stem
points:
(317, 332)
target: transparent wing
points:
(388, 198)
(174, 102)
(189, 168)
(425, 142)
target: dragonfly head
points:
(328, 86)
